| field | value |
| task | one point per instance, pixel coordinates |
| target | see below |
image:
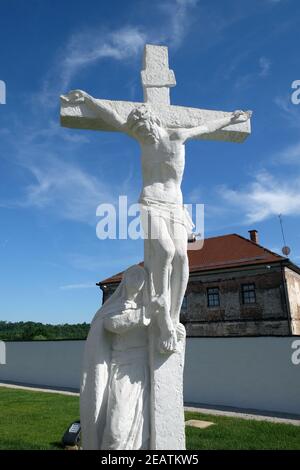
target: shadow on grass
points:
(56, 445)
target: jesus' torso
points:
(162, 167)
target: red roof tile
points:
(222, 252)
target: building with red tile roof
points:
(236, 288)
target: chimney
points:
(253, 235)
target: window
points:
(213, 297)
(248, 293)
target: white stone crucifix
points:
(161, 130)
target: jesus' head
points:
(143, 123)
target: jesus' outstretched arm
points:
(212, 126)
(103, 109)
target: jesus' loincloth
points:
(171, 213)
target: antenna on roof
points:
(286, 249)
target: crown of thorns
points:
(143, 112)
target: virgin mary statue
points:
(115, 388)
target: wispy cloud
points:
(91, 46)
(262, 71)
(289, 155)
(289, 111)
(178, 14)
(94, 262)
(71, 192)
(86, 285)
(57, 184)
(54, 183)
(264, 197)
(88, 47)
(264, 65)
(84, 49)
(84, 262)
(195, 195)
(64, 190)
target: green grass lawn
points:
(241, 434)
(34, 420)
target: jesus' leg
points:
(160, 255)
(180, 271)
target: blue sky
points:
(226, 55)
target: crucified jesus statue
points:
(164, 218)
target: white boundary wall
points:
(50, 363)
(256, 373)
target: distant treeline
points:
(30, 331)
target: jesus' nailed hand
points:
(163, 160)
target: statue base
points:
(167, 412)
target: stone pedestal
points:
(167, 412)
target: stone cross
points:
(166, 371)
(156, 81)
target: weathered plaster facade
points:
(293, 289)
(267, 316)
